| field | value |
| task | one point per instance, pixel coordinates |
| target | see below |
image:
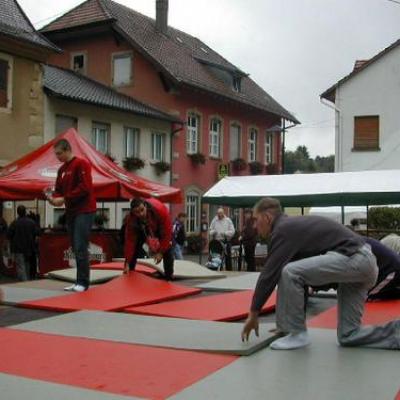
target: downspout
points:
(174, 129)
(338, 152)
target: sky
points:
(294, 49)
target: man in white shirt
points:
(221, 228)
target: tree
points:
(300, 160)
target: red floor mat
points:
(221, 307)
(376, 313)
(119, 266)
(124, 369)
(122, 292)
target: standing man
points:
(314, 251)
(221, 228)
(249, 239)
(22, 235)
(179, 236)
(74, 189)
(149, 222)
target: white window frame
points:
(252, 145)
(269, 148)
(100, 128)
(239, 141)
(10, 61)
(119, 56)
(158, 144)
(192, 133)
(215, 138)
(131, 141)
(77, 54)
(192, 210)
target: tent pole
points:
(302, 210)
(201, 233)
(342, 210)
(367, 220)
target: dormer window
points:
(78, 61)
(236, 83)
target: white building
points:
(367, 105)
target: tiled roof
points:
(69, 85)
(14, 23)
(359, 66)
(183, 58)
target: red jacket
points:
(159, 222)
(74, 183)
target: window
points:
(268, 148)
(101, 137)
(64, 122)
(235, 141)
(366, 133)
(215, 138)
(78, 62)
(122, 69)
(5, 81)
(157, 146)
(131, 142)
(192, 212)
(192, 135)
(252, 148)
(236, 83)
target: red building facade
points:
(226, 115)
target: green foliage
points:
(161, 167)
(132, 163)
(384, 217)
(239, 164)
(197, 158)
(256, 168)
(300, 161)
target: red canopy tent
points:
(26, 178)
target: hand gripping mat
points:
(119, 266)
(322, 370)
(122, 292)
(184, 269)
(96, 276)
(123, 369)
(375, 313)
(207, 336)
(221, 307)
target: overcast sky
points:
(294, 49)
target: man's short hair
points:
(63, 145)
(21, 211)
(181, 215)
(137, 202)
(273, 206)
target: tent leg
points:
(367, 220)
(342, 211)
(201, 233)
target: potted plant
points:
(132, 163)
(256, 167)
(197, 158)
(99, 220)
(239, 164)
(272, 169)
(161, 167)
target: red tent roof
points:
(26, 178)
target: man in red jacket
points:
(149, 222)
(74, 189)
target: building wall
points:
(85, 115)
(372, 91)
(22, 123)
(148, 87)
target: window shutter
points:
(366, 133)
(3, 82)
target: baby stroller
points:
(216, 255)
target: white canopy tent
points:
(306, 190)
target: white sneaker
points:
(79, 288)
(69, 288)
(291, 341)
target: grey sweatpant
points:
(354, 275)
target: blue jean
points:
(178, 251)
(79, 227)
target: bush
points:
(132, 163)
(384, 218)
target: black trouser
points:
(168, 259)
(249, 251)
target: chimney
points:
(162, 16)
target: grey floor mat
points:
(96, 276)
(16, 295)
(246, 281)
(221, 337)
(20, 388)
(322, 370)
